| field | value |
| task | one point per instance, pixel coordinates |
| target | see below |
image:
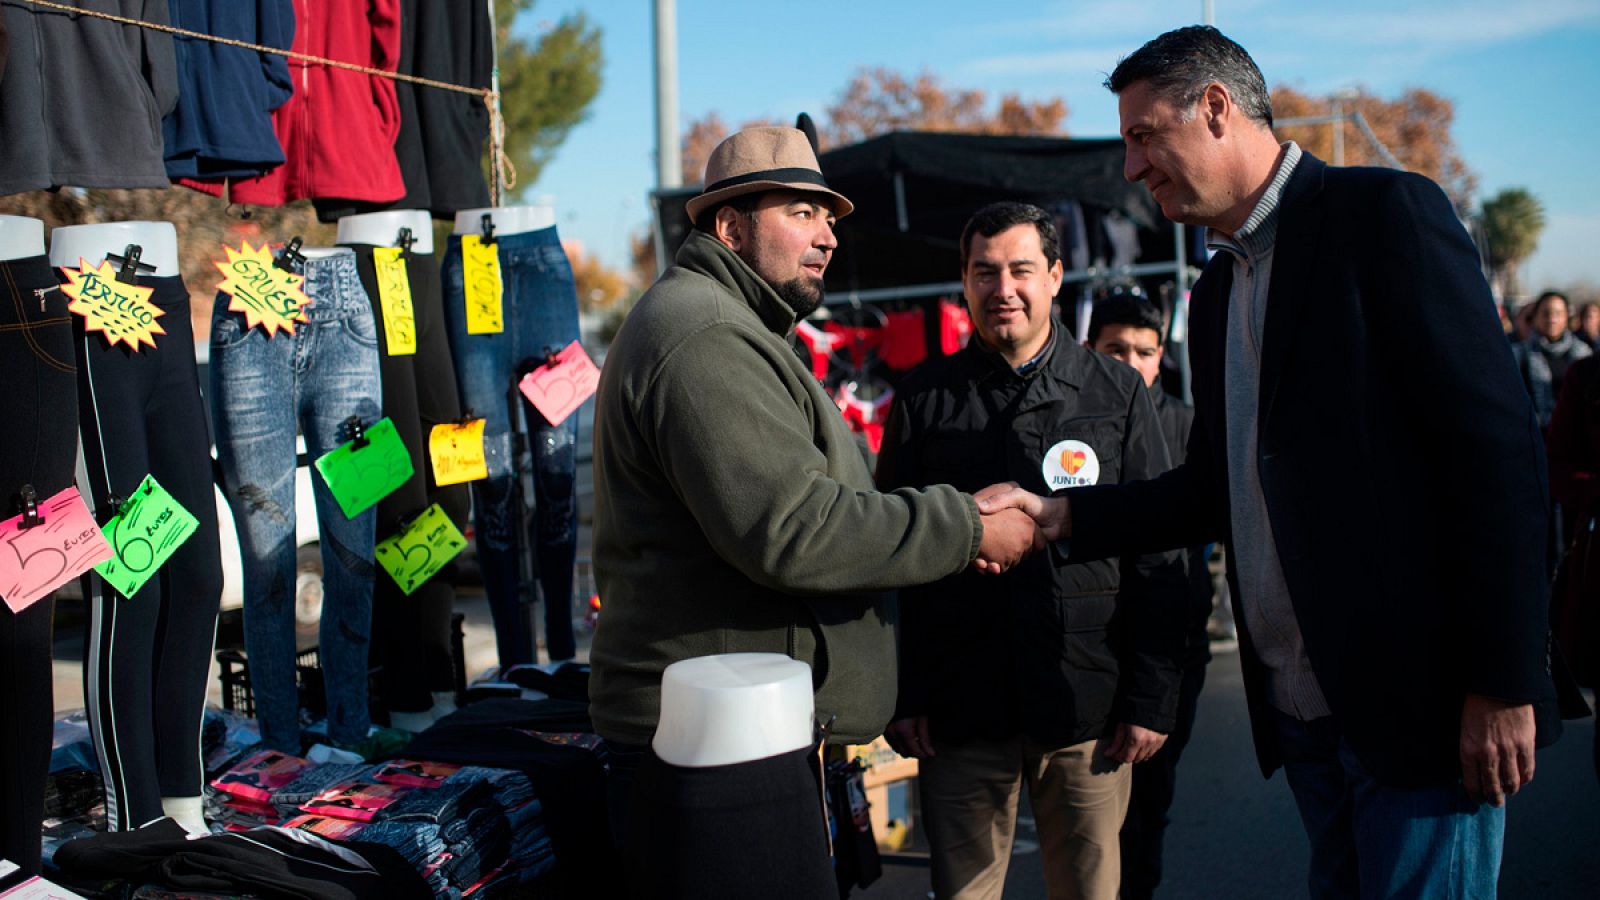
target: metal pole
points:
(1338, 130)
(669, 159)
(1208, 13)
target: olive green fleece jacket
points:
(734, 512)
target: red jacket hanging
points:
(338, 129)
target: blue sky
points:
(1524, 78)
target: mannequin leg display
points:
(263, 387)
(39, 407)
(411, 634)
(149, 655)
(540, 314)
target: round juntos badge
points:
(1070, 464)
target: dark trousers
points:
(411, 635)
(140, 414)
(1154, 783)
(753, 829)
(39, 408)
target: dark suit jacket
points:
(1402, 465)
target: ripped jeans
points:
(540, 314)
(262, 388)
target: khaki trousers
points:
(969, 802)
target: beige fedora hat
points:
(764, 159)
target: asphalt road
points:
(1234, 835)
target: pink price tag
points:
(35, 561)
(559, 389)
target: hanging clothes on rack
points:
(82, 98)
(222, 124)
(442, 133)
(905, 339)
(338, 129)
(955, 326)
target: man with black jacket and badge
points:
(1055, 676)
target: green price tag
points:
(418, 553)
(360, 477)
(144, 533)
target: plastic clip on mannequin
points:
(411, 635)
(141, 414)
(539, 314)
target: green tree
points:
(546, 84)
(1512, 221)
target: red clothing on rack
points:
(339, 127)
(905, 342)
(955, 326)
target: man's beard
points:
(802, 294)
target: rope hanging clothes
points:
(491, 97)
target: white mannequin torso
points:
(158, 242)
(733, 708)
(506, 219)
(21, 237)
(382, 229)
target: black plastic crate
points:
(235, 677)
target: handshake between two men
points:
(1017, 522)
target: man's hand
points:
(1053, 514)
(1008, 536)
(1496, 748)
(909, 737)
(1133, 744)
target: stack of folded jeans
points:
(421, 847)
(528, 853)
(313, 781)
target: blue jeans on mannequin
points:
(1371, 840)
(262, 389)
(540, 313)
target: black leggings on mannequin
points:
(39, 408)
(149, 655)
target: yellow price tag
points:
(457, 452)
(480, 265)
(394, 295)
(269, 297)
(122, 312)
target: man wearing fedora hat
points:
(733, 510)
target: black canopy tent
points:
(914, 191)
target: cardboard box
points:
(883, 764)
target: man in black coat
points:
(1057, 676)
(1362, 442)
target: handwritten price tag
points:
(457, 452)
(480, 265)
(35, 561)
(418, 553)
(559, 389)
(360, 478)
(394, 295)
(149, 528)
(121, 312)
(269, 297)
